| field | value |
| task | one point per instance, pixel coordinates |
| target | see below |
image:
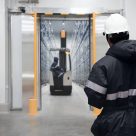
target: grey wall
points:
(130, 10)
(2, 51)
(101, 43)
(27, 54)
(101, 46)
(16, 61)
(93, 5)
(4, 73)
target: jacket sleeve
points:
(53, 66)
(96, 86)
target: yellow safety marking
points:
(80, 14)
(97, 14)
(35, 55)
(64, 14)
(63, 34)
(33, 107)
(96, 111)
(48, 13)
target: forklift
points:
(63, 85)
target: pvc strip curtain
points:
(47, 42)
(81, 52)
(78, 41)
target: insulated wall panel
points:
(16, 57)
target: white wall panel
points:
(16, 54)
(93, 5)
(2, 51)
(130, 10)
(101, 42)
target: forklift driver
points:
(57, 71)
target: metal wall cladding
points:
(81, 52)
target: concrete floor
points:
(60, 116)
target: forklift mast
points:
(62, 54)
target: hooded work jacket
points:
(112, 86)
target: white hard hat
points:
(116, 24)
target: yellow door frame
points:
(93, 46)
(93, 51)
(33, 102)
(35, 55)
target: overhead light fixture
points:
(27, 75)
(63, 23)
(79, 10)
(27, 22)
(49, 23)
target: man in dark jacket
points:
(112, 83)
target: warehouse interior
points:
(29, 30)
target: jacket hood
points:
(124, 50)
